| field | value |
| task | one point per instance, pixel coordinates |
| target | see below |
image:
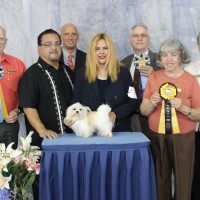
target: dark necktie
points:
(137, 83)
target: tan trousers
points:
(173, 152)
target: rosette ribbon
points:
(3, 109)
(168, 120)
(141, 60)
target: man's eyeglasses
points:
(143, 35)
(50, 44)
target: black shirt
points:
(102, 86)
(36, 91)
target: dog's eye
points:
(74, 109)
(80, 109)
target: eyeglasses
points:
(50, 44)
(143, 35)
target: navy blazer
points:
(116, 96)
(79, 60)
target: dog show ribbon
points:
(141, 60)
(3, 109)
(168, 120)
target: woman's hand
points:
(176, 103)
(155, 99)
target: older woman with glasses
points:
(171, 102)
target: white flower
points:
(7, 154)
(27, 141)
(4, 182)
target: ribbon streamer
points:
(168, 119)
(3, 109)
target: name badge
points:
(11, 70)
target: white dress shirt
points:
(194, 69)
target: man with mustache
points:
(45, 90)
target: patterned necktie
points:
(70, 62)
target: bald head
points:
(69, 36)
(3, 40)
(69, 26)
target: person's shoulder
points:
(12, 58)
(152, 52)
(124, 71)
(129, 57)
(192, 65)
(188, 75)
(156, 74)
(81, 71)
(78, 51)
(32, 69)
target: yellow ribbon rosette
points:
(168, 119)
(141, 60)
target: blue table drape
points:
(97, 168)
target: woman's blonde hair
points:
(112, 62)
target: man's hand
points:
(146, 70)
(12, 117)
(44, 133)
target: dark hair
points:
(48, 31)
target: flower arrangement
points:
(18, 169)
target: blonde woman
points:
(105, 81)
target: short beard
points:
(55, 60)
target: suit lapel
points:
(130, 60)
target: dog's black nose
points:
(77, 111)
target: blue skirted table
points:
(97, 168)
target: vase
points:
(21, 193)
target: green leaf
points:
(30, 181)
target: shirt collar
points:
(146, 53)
(66, 53)
(4, 57)
(45, 65)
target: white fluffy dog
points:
(86, 122)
